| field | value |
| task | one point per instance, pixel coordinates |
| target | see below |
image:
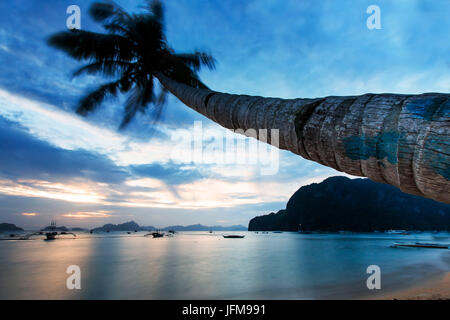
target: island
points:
(358, 205)
(4, 227)
(133, 226)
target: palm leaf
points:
(96, 97)
(105, 67)
(80, 44)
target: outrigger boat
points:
(51, 233)
(233, 236)
(421, 245)
(155, 234)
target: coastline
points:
(435, 288)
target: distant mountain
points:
(9, 227)
(132, 226)
(77, 229)
(359, 205)
(199, 227)
(127, 226)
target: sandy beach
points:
(437, 288)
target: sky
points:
(84, 172)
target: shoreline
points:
(435, 288)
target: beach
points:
(436, 288)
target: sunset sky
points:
(84, 172)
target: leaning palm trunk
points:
(402, 140)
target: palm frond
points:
(141, 95)
(196, 60)
(96, 97)
(156, 8)
(105, 67)
(102, 11)
(182, 73)
(80, 44)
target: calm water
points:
(198, 265)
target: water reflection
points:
(199, 265)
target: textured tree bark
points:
(402, 140)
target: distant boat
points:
(345, 232)
(421, 245)
(395, 231)
(233, 236)
(155, 234)
(210, 231)
(53, 232)
(51, 235)
(277, 231)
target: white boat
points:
(395, 231)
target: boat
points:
(210, 231)
(277, 231)
(157, 234)
(51, 235)
(395, 231)
(233, 236)
(421, 245)
(52, 232)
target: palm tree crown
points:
(133, 50)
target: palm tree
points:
(402, 140)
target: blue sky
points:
(83, 172)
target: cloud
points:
(170, 173)
(25, 157)
(29, 214)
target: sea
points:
(203, 265)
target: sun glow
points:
(30, 214)
(45, 189)
(84, 215)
